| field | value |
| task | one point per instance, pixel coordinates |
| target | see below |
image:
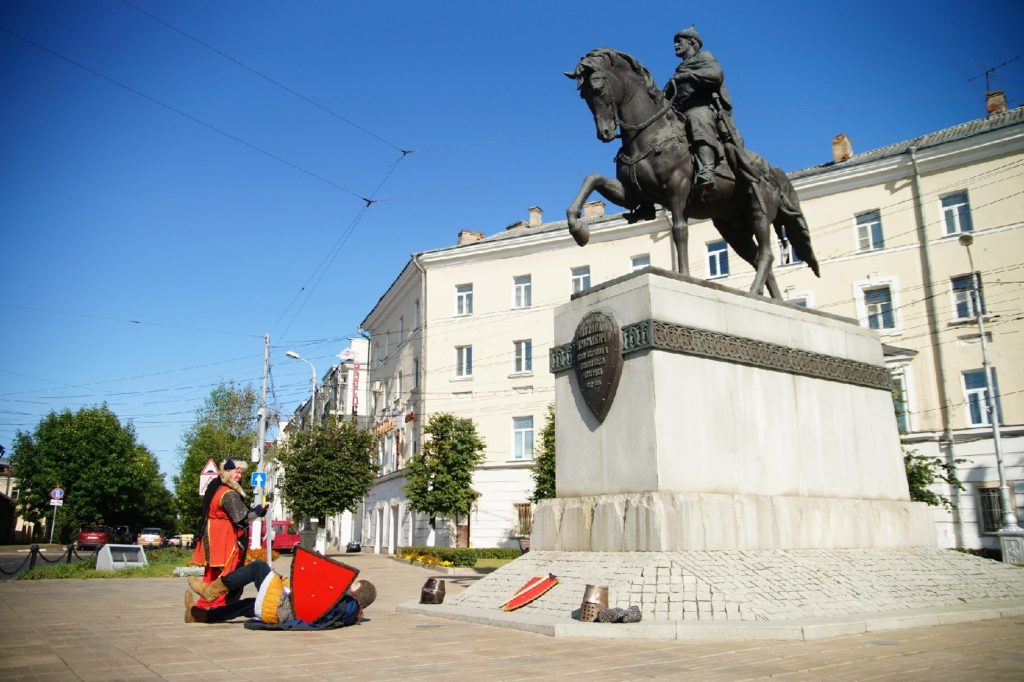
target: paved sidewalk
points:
(133, 630)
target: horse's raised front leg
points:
(610, 189)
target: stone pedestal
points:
(737, 423)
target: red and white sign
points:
(355, 388)
(208, 473)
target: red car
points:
(286, 536)
(94, 537)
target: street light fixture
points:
(1009, 512)
(312, 401)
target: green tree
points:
(107, 476)
(328, 469)
(440, 480)
(225, 426)
(922, 471)
(543, 470)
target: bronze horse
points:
(655, 166)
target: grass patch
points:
(492, 563)
(162, 563)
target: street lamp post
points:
(1011, 535)
(312, 400)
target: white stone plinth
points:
(701, 453)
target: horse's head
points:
(602, 90)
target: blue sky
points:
(180, 178)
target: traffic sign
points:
(57, 494)
(56, 503)
(208, 473)
(258, 479)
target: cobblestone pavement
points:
(121, 629)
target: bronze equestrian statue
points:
(655, 165)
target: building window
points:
(401, 328)
(990, 510)
(963, 290)
(975, 396)
(878, 303)
(901, 402)
(416, 314)
(524, 356)
(803, 299)
(580, 279)
(463, 361)
(787, 256)
(522, 291)
(641, 261)
(718, 258)
(869, 231)
(956, 212)
(522, 437)
(524, 519)
(415, 373)
(464, 299)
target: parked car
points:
(123, 535)
(286, 536)
(181, 540)
(94, 537)
(151, 537)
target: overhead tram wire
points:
(332, 254)
(188, 116)
(269, 79)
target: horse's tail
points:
(792, 219)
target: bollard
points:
(34, 552)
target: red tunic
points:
(224, 552)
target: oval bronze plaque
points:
(597, 361)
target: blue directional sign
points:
(259, 479)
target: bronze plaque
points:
(597, 361)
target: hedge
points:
(456, 556)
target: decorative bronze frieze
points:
(675, 338)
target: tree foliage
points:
(922, 471)
(543, 470)
(440, 479)
(107, 476)
(328, 469)
(225, 426)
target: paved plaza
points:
(122, 629)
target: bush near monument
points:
(543, 470)
(923, 471)
(456, 556)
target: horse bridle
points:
(622, 125)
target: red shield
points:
(318, 583)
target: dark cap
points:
(229, 464)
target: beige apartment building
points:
(467, 328)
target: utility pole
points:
(258, 454)
(1011, 535)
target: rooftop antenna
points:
(995, 100)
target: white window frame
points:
(787, 256)
(981, 393)
(463, 300)
(894, 294)
(522, 362)
(717, 259)
(865, 236)
(579, 279)
(952, 214)
(522, 292)
(639, 261)
(903, 376)
(522, 435)
(965, 297)
(794, 295)
(464, 361)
